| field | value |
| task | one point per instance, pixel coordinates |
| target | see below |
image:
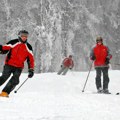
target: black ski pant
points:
(63, 70)
(103, 70)
(13, 81)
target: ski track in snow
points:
(49, 96)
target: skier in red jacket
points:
(66, 65)
(101, 56)
(18, 51)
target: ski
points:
(102, 93)
(94, 92)
(90, 92)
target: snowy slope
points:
(49, 96)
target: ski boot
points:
(4, 94)
(106, 91)
(100, 90)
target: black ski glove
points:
(70, 68)
(0, 47)
(93, 58)
(30, 73)
(107, 61)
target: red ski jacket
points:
(68, 62)
(18, 52)
(100, 52)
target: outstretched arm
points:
(2, 51)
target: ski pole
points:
(87, 77)
(20, 86)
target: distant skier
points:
(101, 56)
(66, 65)
(18, 51)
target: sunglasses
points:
(99, 41)
(24, 36)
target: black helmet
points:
(23, 32)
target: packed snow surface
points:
(48, 96)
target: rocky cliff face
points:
(61, 27)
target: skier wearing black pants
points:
(101, 56)
(14, 79)
(103, 70)
(18, 51)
